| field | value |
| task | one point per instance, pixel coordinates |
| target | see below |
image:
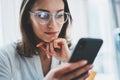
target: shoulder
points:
(8, 51)
(8, 60)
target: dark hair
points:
(27, 47)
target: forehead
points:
(50, 5)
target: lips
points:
(51, 33)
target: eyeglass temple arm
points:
(32, 13)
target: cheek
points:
(60, 28)
(37, 28)
(33, 21)
(39, 31)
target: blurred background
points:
(91, 18)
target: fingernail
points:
(48, 56)
(39, 45)
(91, 66)
(85, 61)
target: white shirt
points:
(16, 67)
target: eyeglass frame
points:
(35, 13)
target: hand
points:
(57, 48)
(69, 71)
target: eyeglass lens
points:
(45, 17)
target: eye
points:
(60, 15)
(43, 15)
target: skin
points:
(50, 31)
(62, 72)
(51, 45)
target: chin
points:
(49, 40)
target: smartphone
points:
(86, 49)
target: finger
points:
(59, 42)
(45, 47)
(65, 50)
(41, 45)
(62, 45)
(77, 73)
(48, 51)
(83, 77)
(52, 51)
(65, 68)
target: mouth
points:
(51, 33)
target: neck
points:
(45, 61)
(43, 55)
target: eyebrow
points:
(49, 11)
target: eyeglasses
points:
(44, 17)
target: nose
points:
(52, 23)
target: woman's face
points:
(46, 29)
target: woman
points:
(44, 45)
